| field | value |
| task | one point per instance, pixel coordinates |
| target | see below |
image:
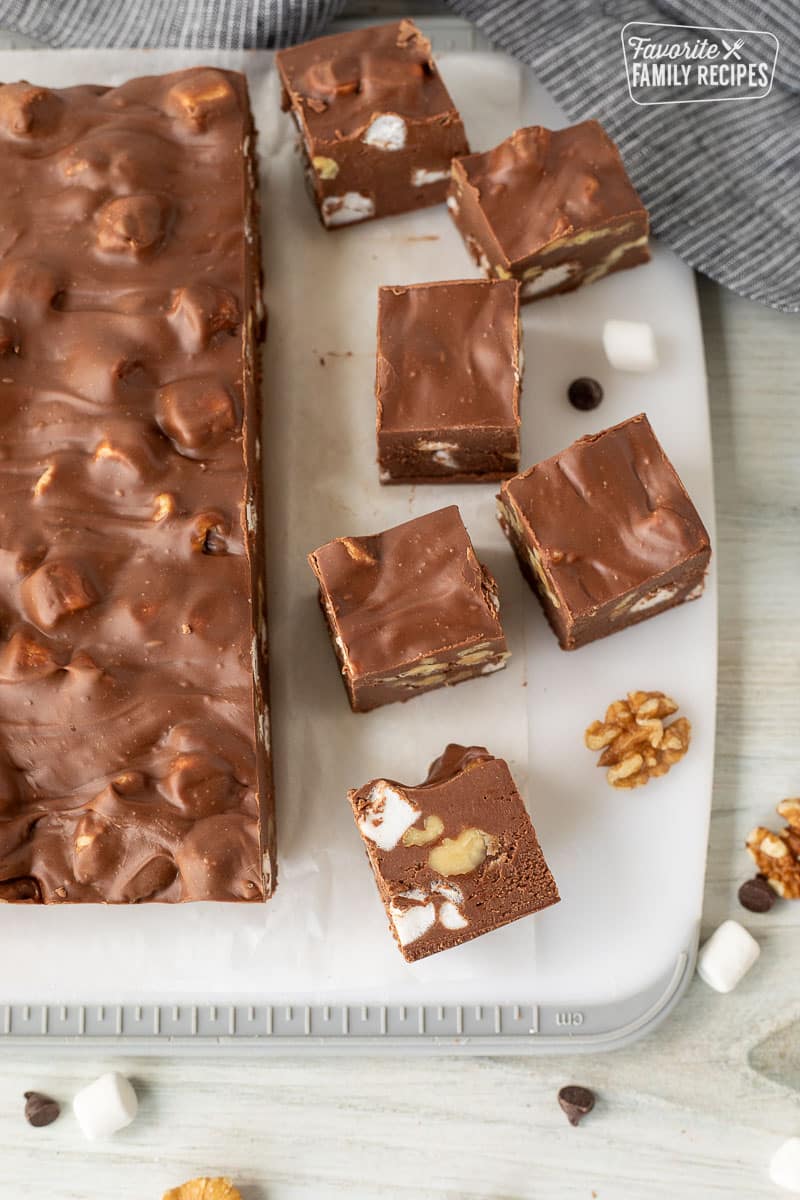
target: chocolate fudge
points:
(605, 533)
(409, 609)
(377, 126)
(447, 381)
(454, 857)
(133, 724)
(551, 208)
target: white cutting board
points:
(629, 865)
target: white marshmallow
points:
(105, 1106)
(410, 923)
(387, 132)
(630, 345)
(388, 816)
(347, 209)
(422, 176)
(450, 891)
(784, 1167)
(451, 917)
(653, 599)
(727, 956)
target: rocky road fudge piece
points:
(134, 760)
(409, 609)
(605, 533)
(551, 208)
(456, 856)
(447, 381)
(377, 126)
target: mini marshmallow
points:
(784, 1167)
(630, 345)
(387, 132)
(727, 956)
(388, 817)
(347, 209)
(105, 1106)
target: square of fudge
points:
(552, 208)
(377, 126)
(447, 381)
(409, 609)
(605, 533)
(455, 856)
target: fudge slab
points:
(455, 857)
(133, 724)
(409, 609)
(377, 126)
(605, 533)
(447, 381)
(551, 208)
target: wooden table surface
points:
(694, 1111)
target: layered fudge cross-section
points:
(456, 856)
(552, 208)
(377, 126)
(134, 761)
(605, 533)
(409, 609)
(447, 381)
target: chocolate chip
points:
(576, 1102)
(756, 895)
(585, 394)
(40, 1110)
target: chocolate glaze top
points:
(342, 81)
(608, 514)
(448, 355)
(413, 590)
(541, 185)
(127, 744)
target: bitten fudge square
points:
(454, 857)
(377, 126)
(605, 533)
(134, 747)
(552, 208)
(409, 609)
(447, 381)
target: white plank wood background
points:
(694, 1111)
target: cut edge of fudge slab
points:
(400, 650)
(569, 251)
(454, 857)
(381, 152)
(169, 787)
(254, 331)
(680, 578)
(456, 450)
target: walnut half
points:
(204, 1189)
(636, 744)
(777, 855)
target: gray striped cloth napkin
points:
(720, 179)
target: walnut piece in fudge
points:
(409, 609)
(447, 381)
(605, 533)
(134, 758)
(551, 208)
(377, 126)
(456, 856)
